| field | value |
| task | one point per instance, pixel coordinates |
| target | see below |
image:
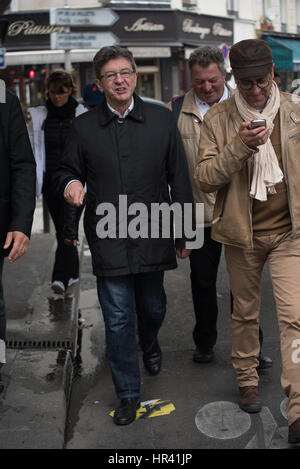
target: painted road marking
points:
(222, 420)
(265, 428)
(153, 408)
(280, 440)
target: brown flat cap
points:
(250, 58)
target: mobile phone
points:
(258, 123)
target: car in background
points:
(153, 101)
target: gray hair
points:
(205, 55)
(105, 54)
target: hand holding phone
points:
(257, 123)
(254, 133)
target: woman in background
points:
(48, 131)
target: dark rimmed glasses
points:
(246, 85)
(124, 73)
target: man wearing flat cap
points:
(255, 171)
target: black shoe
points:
(126, 412)
(203, 356)
(1, 384)
(152, 359)
(264, 362)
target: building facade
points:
(160, 33)
(278, 23)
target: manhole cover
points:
(222, 420)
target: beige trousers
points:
(245, 268)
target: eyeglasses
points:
(248, 84)
(124, 73)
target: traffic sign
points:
(83, 16)
(2, 58)
(90, 40)
(225, 50)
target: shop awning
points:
(286, 52)
(77, 55)
(48, 56)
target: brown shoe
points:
(294, 432)
(250, 400)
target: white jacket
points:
(37, 138)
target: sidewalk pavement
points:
(198, 404)
(41, 339)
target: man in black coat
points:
(17, 193)
(129, 153)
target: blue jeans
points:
(2, 311)
(122, 298)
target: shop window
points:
(189, 3)
(283, 15)
(232, 8)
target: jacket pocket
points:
(297, 134)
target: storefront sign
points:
(30, 31)
(172, 26)
(219, 30)
(31, 28)
(152, 28)
(189, 27)
(209, 29)
(142, 24)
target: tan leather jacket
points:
(189, 124)
(224, 164)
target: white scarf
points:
(266, 171)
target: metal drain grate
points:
(39, 344)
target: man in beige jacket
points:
(207, 68)
(256, 173)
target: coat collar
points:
(189, 105)
(105, 116)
